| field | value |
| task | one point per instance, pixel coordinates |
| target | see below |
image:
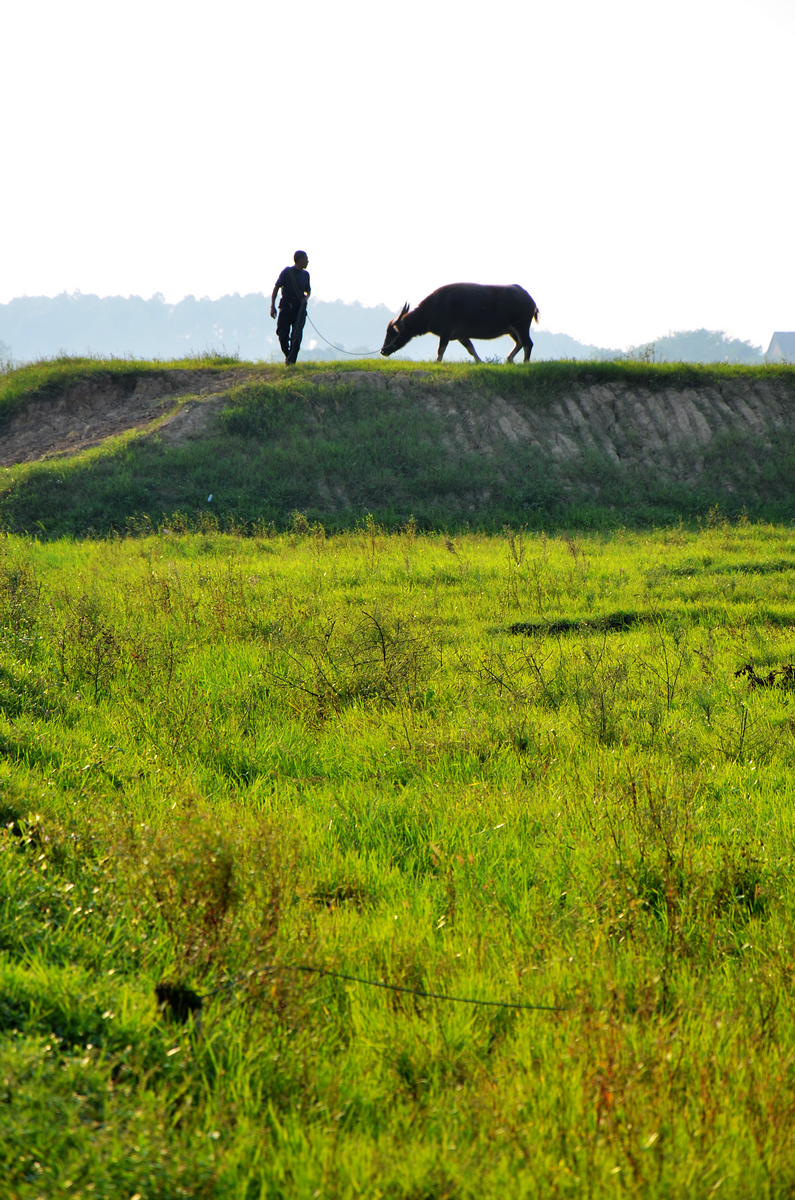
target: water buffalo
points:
(464, 311)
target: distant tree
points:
(698, 345)
(561, 345)
(6, 359)
(39, 326)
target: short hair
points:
(300, 254)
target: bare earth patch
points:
(102, 406)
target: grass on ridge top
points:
(49, 376)
(225, 757)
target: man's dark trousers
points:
(290, 328)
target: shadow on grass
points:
(613, 622)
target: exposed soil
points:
(101, 406)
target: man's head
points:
(301, 259)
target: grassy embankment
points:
(228, 758)
(336, 453)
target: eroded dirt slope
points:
(667, 431)
(101, 406)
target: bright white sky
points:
(630, 162)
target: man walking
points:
(295, 289)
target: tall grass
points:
(521, 768)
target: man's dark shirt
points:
(286, 283)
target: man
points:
(294, 285)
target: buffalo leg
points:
(523, 340)
(467, 344)
(517, 342)
(442, 347)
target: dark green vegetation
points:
(227, 758)
(400, 441)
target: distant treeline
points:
(33, 327)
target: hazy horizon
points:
(33, 327)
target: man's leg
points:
(299, 319)
(283, 324)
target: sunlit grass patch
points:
(246, 780)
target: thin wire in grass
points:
(389, 987)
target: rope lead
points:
(342, 350)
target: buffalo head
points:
(396, 336)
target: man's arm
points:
(274, 294)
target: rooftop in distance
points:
(782, 346)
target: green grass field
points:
(519, 769)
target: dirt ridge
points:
(668, 430)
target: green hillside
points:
(453, 446)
